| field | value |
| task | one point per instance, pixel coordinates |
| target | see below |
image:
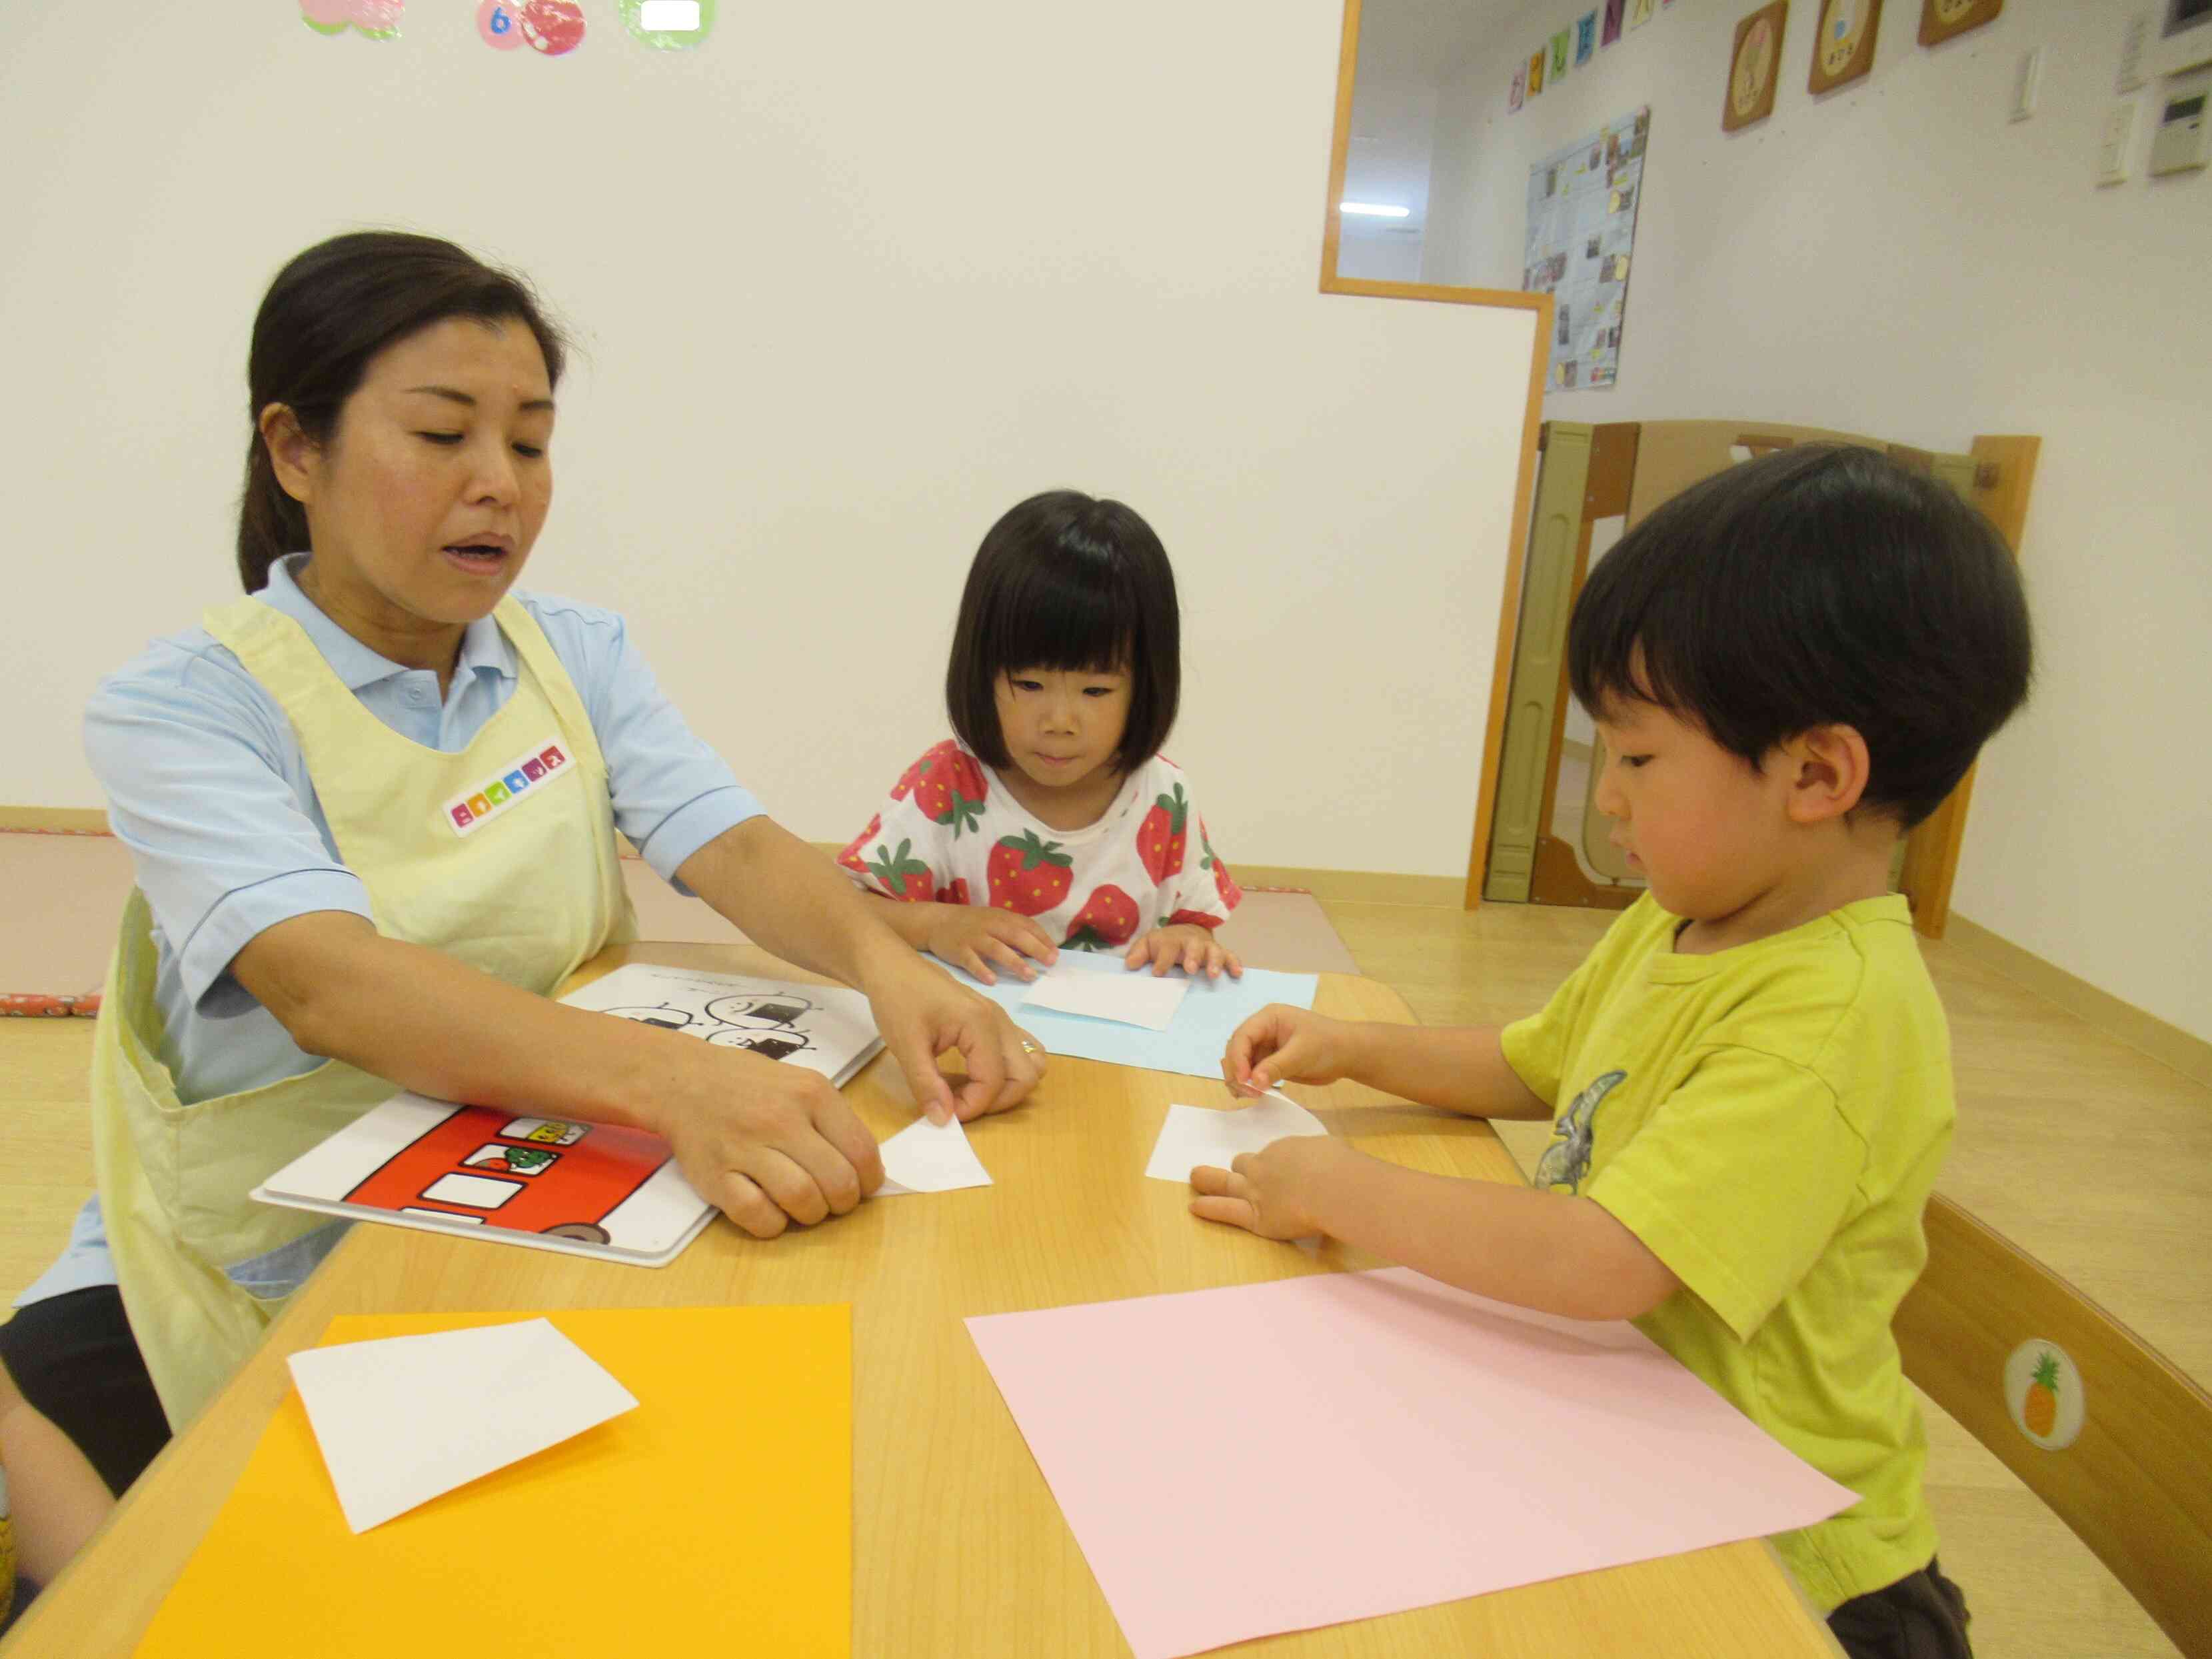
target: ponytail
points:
(270, 524)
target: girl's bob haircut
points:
(1818, 585)
(1066, 582)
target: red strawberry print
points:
(949, 787)
(1192, 919)
(850, 858)
(1107, 919)
(1028, 875)
(1224, 882)
(1160, 837)
(903, 877)
(956, 894)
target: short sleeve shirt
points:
(951, 831)
(1768, 1120)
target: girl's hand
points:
(1282, 1044)
(975, 938)
(1273, 1192)
(1188, 946)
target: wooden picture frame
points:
(1755, 67)
(1842, 42)
(1942, 19)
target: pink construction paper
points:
(1239, 1463)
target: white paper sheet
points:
(1130, 998)
(1196, 1135)
(405, 1418)
(930, 1157)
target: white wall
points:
(1897, 257)
(852, 280)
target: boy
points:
(1790, 665)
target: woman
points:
(316, 923)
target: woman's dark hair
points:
(1816, 585)
(329, 312)
(1066, 582)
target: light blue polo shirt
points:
(207, 787)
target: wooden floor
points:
(2091, 1155)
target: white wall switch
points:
(2031, 77)
(2115, 142)
(2132, 42)
(2184, 138)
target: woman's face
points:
(425, 506)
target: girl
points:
(1049, 818)
(341, 893)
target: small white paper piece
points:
(1196, 1134)
(403, 1419)
(1134, 998)
(930, 1157)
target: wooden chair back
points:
(2135, 1483)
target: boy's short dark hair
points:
(1823, 583)
(1066, 582)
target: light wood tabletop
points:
(958, 1546)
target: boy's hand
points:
(1281, 1044)
(1186, 945)
(979, 938)
(1273, 1192)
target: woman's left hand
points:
(1188, 946)
(923, 1012)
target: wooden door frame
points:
(1540, 340)
(2003, 478)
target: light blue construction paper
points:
(1194, 1041)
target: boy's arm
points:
(1461, 1068)
(56, 1500)
(1534, 1250)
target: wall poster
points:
(1582, 231)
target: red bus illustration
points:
(531, 1175)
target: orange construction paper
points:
(715, 1518)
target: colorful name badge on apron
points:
(524, 779)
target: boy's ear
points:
(1828, 767)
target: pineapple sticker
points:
(2043, 1390)
(2041, 1413)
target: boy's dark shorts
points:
(1922, 1616)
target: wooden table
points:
(959, 1548)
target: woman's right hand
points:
(765, 1143)
(1282, 1044)
(981, 940)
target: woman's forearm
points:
(797, 904)
(426, 1022)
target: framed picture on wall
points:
(1752, 65)
(1942, 19)
(1843, 45)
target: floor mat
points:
(64, 893)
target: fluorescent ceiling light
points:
(1374, 209)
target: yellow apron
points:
(502, 855)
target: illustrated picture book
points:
(556, 1184)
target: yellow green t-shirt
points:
(1768, 1120)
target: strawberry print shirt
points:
(953, 832)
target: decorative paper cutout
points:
(554, 27)
(498, 26)
(668, 25)
(377, 19)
